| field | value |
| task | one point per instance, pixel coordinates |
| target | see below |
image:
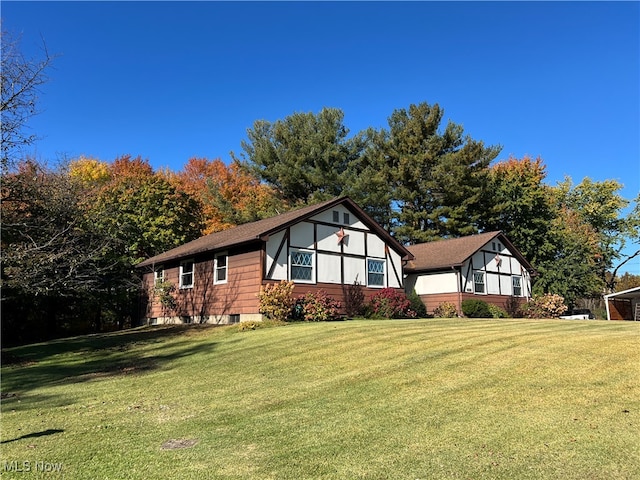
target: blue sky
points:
(172, 80)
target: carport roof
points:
(631, 293)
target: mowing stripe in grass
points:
(357, 399)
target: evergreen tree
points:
(303, 156)
(438, 176)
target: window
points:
(158, 275)
(375, 273)
(301, 266)
(186, 274)
(517, 286)
(220, 266)
(336, 216)
(478, 282)
(345, 218)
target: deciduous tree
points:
(52, 259)
(228, 194)
(145, 211)
(568, 260)
(519, 203)
(20, 79)
(601, 206)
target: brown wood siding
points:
(620, 309)
(432, 301)
(237, 296)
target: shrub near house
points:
(548, 305)
(389, 303)
(475, 308)
(317, 307)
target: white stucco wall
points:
(444, 282)
(329, 267)
(355, 269)
(327, 217)
(302, 235)
(280, 272)
(333, 259)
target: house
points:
(485, 266)
(217, 278)
(623, 305)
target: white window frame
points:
(384, 272)
(484, 282)
(184, 274)
(292, 252)
(217, 268)
(158, 274)
(513, 285)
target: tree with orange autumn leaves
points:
(228, 194)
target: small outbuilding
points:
(623, 305)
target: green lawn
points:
(419, 399)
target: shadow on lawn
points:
(96, 356)
(44, 433)
(121, 340)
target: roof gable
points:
(261, 229)
(454, 252)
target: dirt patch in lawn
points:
(176, 444)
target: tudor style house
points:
(486, 266)
(217, 278)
